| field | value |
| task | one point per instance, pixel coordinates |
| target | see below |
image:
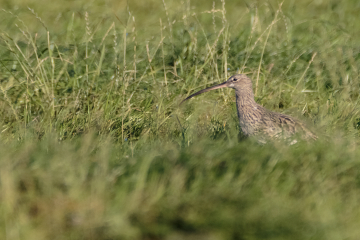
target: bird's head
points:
(237, 81)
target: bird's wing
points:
(283, 126)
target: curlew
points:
(255, 120)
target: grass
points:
(95, 146)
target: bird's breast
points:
(249, 119)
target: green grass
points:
(94, 144)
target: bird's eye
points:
(235, 79)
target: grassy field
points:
(94, 144)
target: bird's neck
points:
(249, 112)
(245, 97)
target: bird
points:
(257, 121)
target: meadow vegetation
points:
(94, 144)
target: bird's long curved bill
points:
(221, 85)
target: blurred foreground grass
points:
(94, 146)
(91, 189)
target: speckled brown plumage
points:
(255, 120)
